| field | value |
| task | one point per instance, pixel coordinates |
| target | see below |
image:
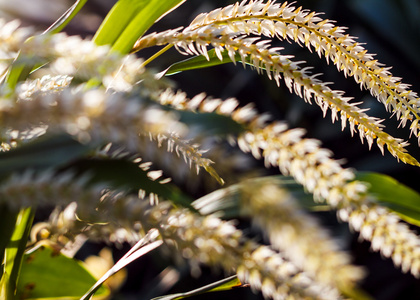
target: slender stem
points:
(7, 226)
(15, 250)
(157, 54)
(144, 246)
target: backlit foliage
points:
(120, 111)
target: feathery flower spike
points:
(94, 115)
(99, 116)
(12, 38)
(215, 242)
(306, 28)
(298, 80)
(200, 239)
(314, 168)
(294, 233)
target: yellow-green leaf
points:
(221, 285)
(128, 20)
(396, 196)
(154, 10)
(199, 62)
(46, 274)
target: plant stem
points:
(157, 54)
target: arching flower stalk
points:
(307, 86)
(97, 116)
(294, 232)
(191, 153)
(219, 243)
(274, 208)
(236, 165)
(73, 56)
(321, 175)
(200, 239)
(286, 22)
(326, 179)
(44, 85)
(90, 116)
(115, 104)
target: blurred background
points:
(389, 28)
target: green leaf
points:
(141, 248)
(227, 200)
(211, 123)
(396, 196)
(14, 252)
(122, 173)
(117, 20)
(199, 62)
(221, 285)
(66, 17)
(47, 274)
(226, 284)
(154, 10)
(5, 289)
(128, 20)
(44, 152)
(7, 226)
(19, 71)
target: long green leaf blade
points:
(66, 17)
(15, 250)
(145, 18)
(120, 173)
(199, 62)
(227, 200)
(117, 20)
(221, 285)
(394, 195)
(45, 152)
(7, 226)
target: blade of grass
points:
(221, 285)
(62, 22)
(117, 20)
(157, 54)
(44, 152)
(198, 62)
(226, 201)
(144, 19)
(19, 71)
(7, 226)
(144, 246)
(125, 174)
(15, 250)
(396, 196)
